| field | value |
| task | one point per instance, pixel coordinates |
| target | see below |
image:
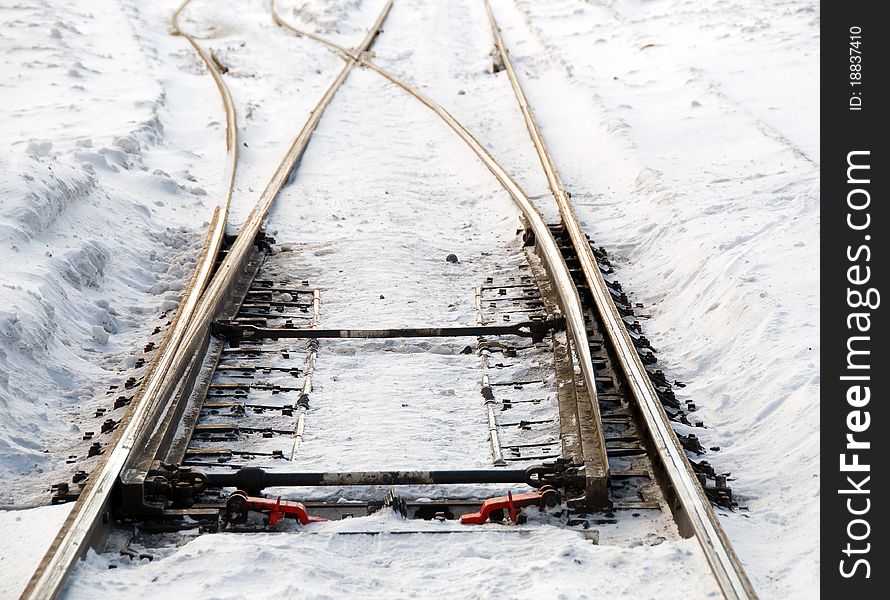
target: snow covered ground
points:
(107, 186)
(331, 562)
(684, 130)
(696, 163)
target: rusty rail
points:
(692, 510)
(87, 524)
(597, 471)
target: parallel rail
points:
(597, 473)
(205, 297)
(692, 509)
(86, 524)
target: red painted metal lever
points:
(239, 503)
(546, 496)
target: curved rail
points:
(194, 316)
(87, 519)
(225, 95)
(550, 253)
(695, 513)
(693, 510)
(91, 513)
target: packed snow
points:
(685, 132)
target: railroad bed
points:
(511, 404)
(519, 392)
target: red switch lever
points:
(239, 503)
(546, 496)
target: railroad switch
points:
(493, 508)
(239, 504)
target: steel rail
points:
(225, 95)
(700, 518)
(550, 254)
(695, 506)
(91, 513)
(240, 249)
(91, 510)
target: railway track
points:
(226, 402)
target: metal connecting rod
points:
(254, 479)
(235, 332)
(258, 479)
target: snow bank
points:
(99, 226)
(692, 155)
